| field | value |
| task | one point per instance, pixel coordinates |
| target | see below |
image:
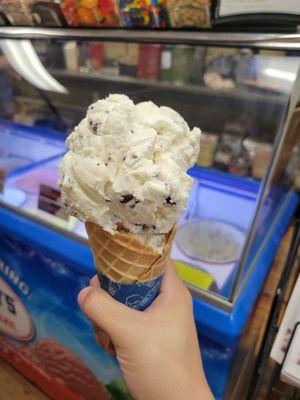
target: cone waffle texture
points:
(123, 258)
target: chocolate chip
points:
(126, 198)
(106, 164)
(108, 200)
(124, 158)
(98, 163)
(130, 200)
(96, 126)
(134, 156)
(142, 225)
(132, 205)
(169, 201)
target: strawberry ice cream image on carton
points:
(43, 332)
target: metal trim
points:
(239, 288)
(210, 297)
(264, 189)
(212, 38)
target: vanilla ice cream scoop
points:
(126, 168)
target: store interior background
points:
(233, 71)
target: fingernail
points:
(82, 294)
(95, 281)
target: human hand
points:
(157, 349)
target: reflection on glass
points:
(276, 190)
(23, 58)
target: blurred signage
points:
(235, 7)
(15, 321)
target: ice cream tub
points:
(138, 296)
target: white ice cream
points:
(126, 168)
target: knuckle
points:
(91, 301)
(94, 280)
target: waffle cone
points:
(123, 258)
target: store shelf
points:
(242, 93)
(256, 40)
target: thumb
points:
(172, 291)
(172, 286)
(110, 315)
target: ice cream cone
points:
(124, 259)
(127, 168)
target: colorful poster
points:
(43, 332)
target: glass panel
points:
(236, 96)
(277, 193)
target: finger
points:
(98, 331)
(172, 291)
(111, 349)
(104, 340)
(96, 328)
(110, 315)
(170, 280)
(95, 281)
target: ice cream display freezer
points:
(44, 261)
(226, 238)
